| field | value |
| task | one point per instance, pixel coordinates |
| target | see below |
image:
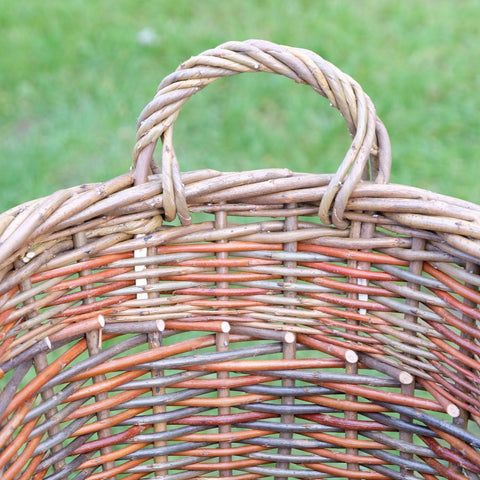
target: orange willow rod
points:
(234, 246)
(110, 421)
(345, 457)
(92, 307)
(235, 464)
(116, 439)
(226, 262)
(384, 396)
(106, 403)
(32, 388)
(92, 292)
(22, 459)
(89, 279)
(110, 457)
(351, 254)
(147, 356)
(350, 474)
(470, 311)
(105, 385)
(457, 287)
(10, 427)
(79, 266)
(349, 271)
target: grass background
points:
(74, 77)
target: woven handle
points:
(370, 139)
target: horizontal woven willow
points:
(289, 325)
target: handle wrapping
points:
(368, 158)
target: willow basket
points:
(314, 326)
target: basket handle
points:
(370, 138)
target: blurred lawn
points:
(74, 77)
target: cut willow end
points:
(405, 378)
(225, 327)
(290, 337)
(351, 356)
(453, 410)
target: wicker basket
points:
(316, 326)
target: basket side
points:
(255, 343)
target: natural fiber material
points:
(307, 326)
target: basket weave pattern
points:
(302, 326)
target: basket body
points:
(254, 342)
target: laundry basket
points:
(259, 324)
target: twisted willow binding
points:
(312, 326)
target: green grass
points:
(73, 79)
